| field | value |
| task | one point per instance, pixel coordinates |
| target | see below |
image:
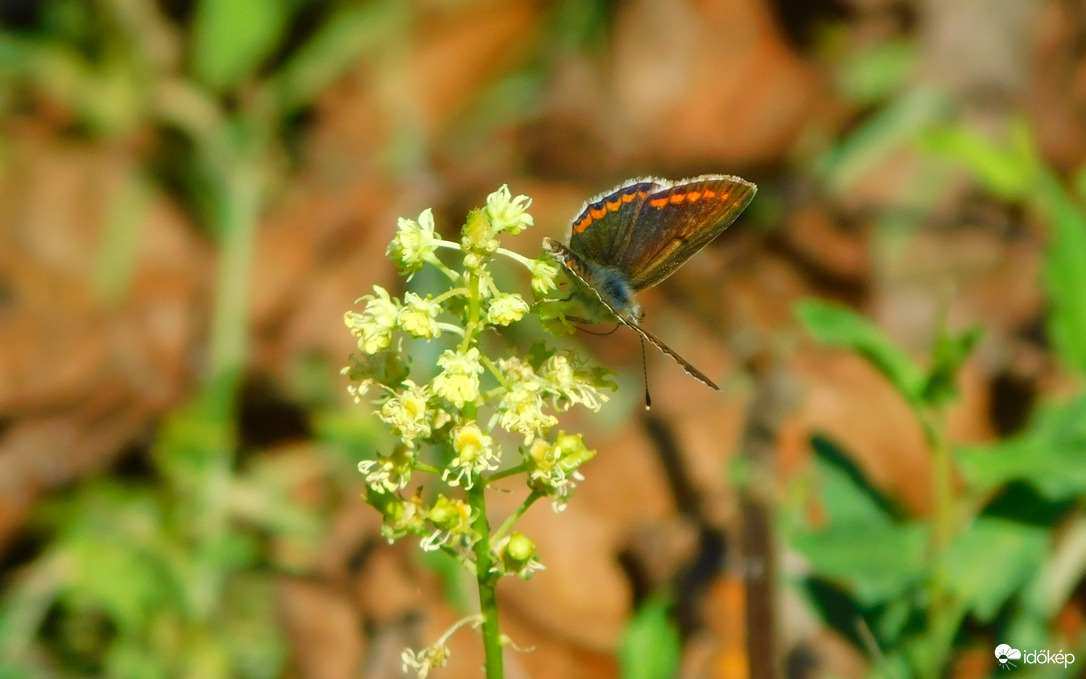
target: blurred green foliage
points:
(169, 574)
(1011, 525)
(651, 647)
(1003, 549)
(231, 39)
(161, 579)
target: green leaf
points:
(1078, 179)
(837, 608)
(1048, 456)
(1020, 502)
(1008, 170)
(1065, 272)
(895, 616)
(352, 31)
(9, 669)
(987, 564)
(1054, 473)
(1014, 171)
(892, 665)
(864, 550)
(948, 355)
(650, 646)
(878, 72)
(847, 494)
(837, 326)
(25, 604)
(876, 562)
(136, 660)
(884, 133)
(232, 37)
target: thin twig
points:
(771, 402)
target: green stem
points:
(508, 523)
(451, 292)
(430, 469)
(945, 617)
(517, 257)
(511, 471)
(942, 479)
(237, 212)
(448, 244)
(487, 581)
(498, 375)
(450, 328)
(474, 306)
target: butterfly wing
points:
(675, 222)
(581, 272)
(604, 227)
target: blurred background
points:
(193, 192)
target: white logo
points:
(1005, 654)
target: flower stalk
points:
(484, 411)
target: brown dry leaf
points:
(849, 401)
(82, 377)
(708, 81)
(325, 241)
(1070, 621)
(390, 588)
(459, 53)
(322, 250)
(323, 630)
(1056, 87)
(547, 655)
(61, 341)
(828, 252)
(564, 663)
(973, 663)
(582, 596)
(708, 427)
(966, 275)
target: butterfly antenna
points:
(593, 332)
(645, 375)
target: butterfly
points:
(634, 236)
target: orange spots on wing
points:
(599, 211)
(693, 195)
(658, 203)
(709, 193)
(724, 196)
(678, 198)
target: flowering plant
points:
(484, 414)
